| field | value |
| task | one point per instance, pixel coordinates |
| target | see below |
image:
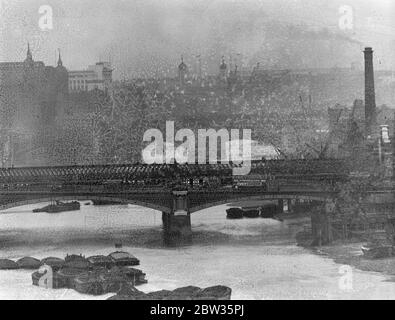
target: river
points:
(257, 258)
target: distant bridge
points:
(316, 169)
(176, 190)
(154, 186)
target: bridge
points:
(175, 190)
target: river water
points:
(257, 258)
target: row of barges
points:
(58, 206)
(117, 258)
(268, 211)
(100, 274)
(95, 275)
(184, 293)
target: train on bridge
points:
(264, 174)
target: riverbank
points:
(350, 253)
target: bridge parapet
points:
(162, 174)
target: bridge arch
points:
(320, 198)
(37, 200)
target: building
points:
(182, 73)
(33, 96)
(35, 92)
(364, 131)
(223, 71)
(98, 76)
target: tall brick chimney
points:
(370, 98)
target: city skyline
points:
(147, 39)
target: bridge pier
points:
(280, 206)
(289, 205)
(321, 226)
(176, 229)
(177, 224)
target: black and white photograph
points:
(210, 150)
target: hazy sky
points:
(147, 37)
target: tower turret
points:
(223, 70)
(60, 62)
(29, 56)
(182, 72)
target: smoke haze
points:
(146, 38)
